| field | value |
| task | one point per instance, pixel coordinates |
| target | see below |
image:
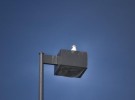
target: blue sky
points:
(103, 28)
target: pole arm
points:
(50, 60)
(44, 59)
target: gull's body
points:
(73, 48)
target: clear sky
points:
(103, 28)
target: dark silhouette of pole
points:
(41, 77)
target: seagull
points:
(73, 48)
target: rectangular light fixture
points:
(71, 63)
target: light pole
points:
(67, 63)
(41, 76)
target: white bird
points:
(73, 48)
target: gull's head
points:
(73, 48)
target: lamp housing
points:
(70, 63)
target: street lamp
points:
(67, 63)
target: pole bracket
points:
(49, 59)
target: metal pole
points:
(41, 76)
